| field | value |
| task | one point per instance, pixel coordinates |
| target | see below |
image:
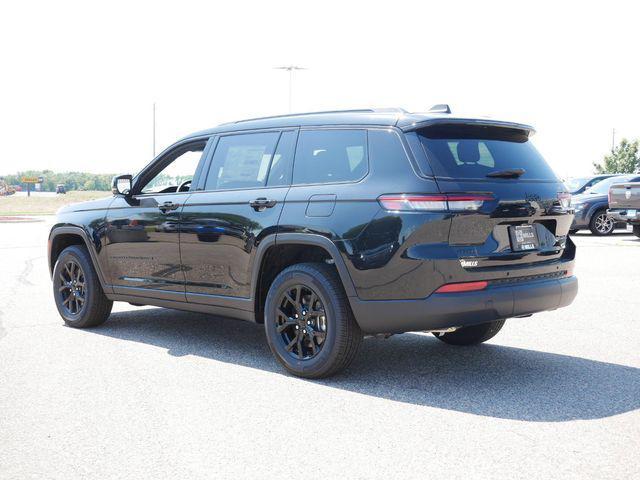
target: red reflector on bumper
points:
(462, 287)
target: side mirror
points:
(121, 185)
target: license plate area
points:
(523, 238)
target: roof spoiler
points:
(416, 125)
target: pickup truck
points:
(624, 204)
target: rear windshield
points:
(470, 151)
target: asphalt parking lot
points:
(164, 394)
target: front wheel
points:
(472, 335)
(308, 322)
(636, 230)
(601, 224)
(77, 292)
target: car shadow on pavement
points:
(488, 380)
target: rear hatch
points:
(624, 196)
(522, 215)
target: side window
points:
(592, 182)
(241, 161)
(180, 166)
(418, 153)
(329, 156)
(280, 171)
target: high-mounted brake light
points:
(434, 203)
(462, 287)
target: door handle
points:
(259, 204)
(168, 206)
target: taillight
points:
(434, 203)
(565, 199)
(462, 287)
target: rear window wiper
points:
(509, 173)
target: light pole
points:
(290, 69)
(613, 140)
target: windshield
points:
(575, 184)
(602, 187)
(471, 151)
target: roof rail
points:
(361, 110)
(390, 110)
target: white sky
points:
(78, 79)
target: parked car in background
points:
(624, 204)
(578, 185)
(591, 207)
(60, 188)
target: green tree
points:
(625, 158)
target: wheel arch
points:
(65, 236)
(316, 248)
(595, 208)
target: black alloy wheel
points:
(308, 321)
(71, 286)
(77, 291)
(301, 321)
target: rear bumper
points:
(621, 215)
(446, 310)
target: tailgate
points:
(624, 195)
(492, 236)
(525, 221)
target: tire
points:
(311, 336)
(636, 230)
(95, 307)
(472, 335)
(601, 224)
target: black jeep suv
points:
(327, 227)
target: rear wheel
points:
(636, 230)
(77, 291)
(601, 223)
(308, 322)
(472, 335)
